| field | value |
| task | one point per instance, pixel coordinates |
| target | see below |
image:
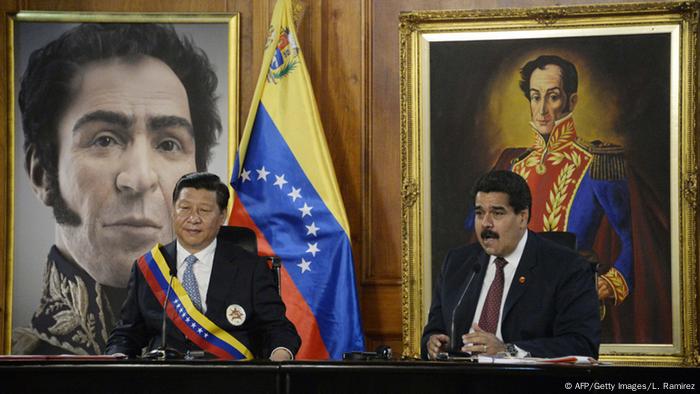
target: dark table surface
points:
(80, 375)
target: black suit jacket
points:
(237, 277)
(552, 313)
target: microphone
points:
(475, 268)
(163, 353)
(383, 352)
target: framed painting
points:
(107, 112)
(468, 106)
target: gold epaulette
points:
(608, 162)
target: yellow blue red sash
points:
(188, 319)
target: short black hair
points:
(47, 87)
(507, 182)
(203, 180)
(569, 73)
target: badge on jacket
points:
(235, 314)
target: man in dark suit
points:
(220, 288)
(513, 292)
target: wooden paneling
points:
(352, 50)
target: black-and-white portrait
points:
(107, 117)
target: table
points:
(135, 376)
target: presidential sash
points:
(188, 319)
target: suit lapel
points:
(527, 262)
(222, 271)
(468, 305)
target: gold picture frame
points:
(461, 106)
(30, 224)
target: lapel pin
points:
(521, 280)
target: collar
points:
(564, 131)
(203, 255)
(514, 257)
(87, 301)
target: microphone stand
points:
(476, 268)
(276, 264)
(163, 352)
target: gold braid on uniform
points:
(617, 284)
(608, 163)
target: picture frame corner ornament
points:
(407, 24)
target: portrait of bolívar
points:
(108, 117)
(585, 120)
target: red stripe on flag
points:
(298, 311)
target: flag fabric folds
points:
(286, 191)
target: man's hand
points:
(605, 291)
(482, 342)
(437, 343)
(280, 354)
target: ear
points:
(524, 216)
(222, 218)
(572, 101)
(38, 176)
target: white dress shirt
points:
(513, 260)
(201, 269)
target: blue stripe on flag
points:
(286, 207)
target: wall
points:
(351, 47)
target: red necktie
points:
(492, 305)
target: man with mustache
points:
(113, 116)
(513, 292)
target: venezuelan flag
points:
(286, 190)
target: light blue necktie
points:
(190, 282)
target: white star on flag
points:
(313, 249)
(304, 265)
(280, 181)
(312, 229)
(188, 319)
(245, 175)
(305, 210)
(262, 174)
(199, 330)
(206, 334)
(193, 325)
(296, 193)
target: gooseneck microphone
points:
(163, 353)
(475, 270)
